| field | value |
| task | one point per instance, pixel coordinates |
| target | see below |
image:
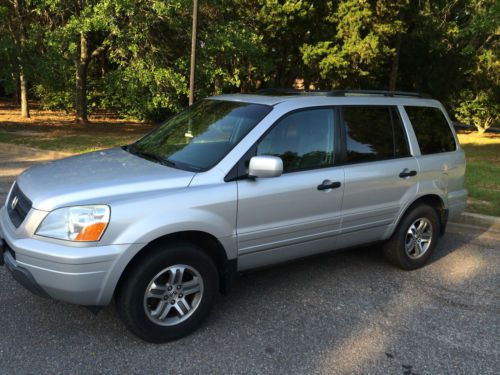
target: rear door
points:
(298, 213)
(442, 162)
(380, 173)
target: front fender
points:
(211, 210)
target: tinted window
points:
(373, 133)
(432, 130)
(202, 135)
(303, 140)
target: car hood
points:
(97, 178)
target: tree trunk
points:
(81, 62)
(17, 91)
(219, 63)
(104, 65)
(484, 126)
(193, 52)
(21, 42)
(393, 77)
(25, 111)
(244, 86)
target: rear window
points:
(432, 130)
(373, 133)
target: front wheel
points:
(415, 238)
(168, 293)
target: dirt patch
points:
(60, 123)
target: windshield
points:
(202, 135)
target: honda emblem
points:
(13, 204)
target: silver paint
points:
(257, 221)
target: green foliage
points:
(232, 54)
(357, 41)
(143, 91)
(478, 102)
(12, 50)
(139, 50)
(480, 109)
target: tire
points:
(179, 272)
(403, 249)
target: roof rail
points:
(281, 91)
(270, 91)
(377, 92)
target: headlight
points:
(79, 223)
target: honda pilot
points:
(233, 183)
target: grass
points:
(56, 131)
(482, 177)
(67, 143)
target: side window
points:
(303, 140)
(373, 133)
(432, 130)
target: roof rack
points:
(377, 92)
(280, 91)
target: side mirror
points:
(265, 166)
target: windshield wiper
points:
(170, 163)
(149, 156)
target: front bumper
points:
(80, 275)
(21, 275)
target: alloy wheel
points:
(173, 295)
(418, 238)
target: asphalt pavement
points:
(340, 313)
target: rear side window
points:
(432, 130)
(373, 133)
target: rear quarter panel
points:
(440, 174)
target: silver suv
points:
(233, 183)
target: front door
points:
(298, 213)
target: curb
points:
(491, 223)
(35, 153)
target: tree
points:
(285, 26)
(479, 101)
(232, 55)
(93, 23)
(356, 44)
(391, 22)
(479, 109)
(150, 60)
(132, 56)
(80, 31)
(16, 19)
(20, 38)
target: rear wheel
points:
(168, 293)
(415, 238)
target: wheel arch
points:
(227, 268)
(433, 200)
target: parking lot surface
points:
(341, 313)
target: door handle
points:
(327, 184)
(407, 173)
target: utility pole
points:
(193, 52)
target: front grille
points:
(18, 206)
